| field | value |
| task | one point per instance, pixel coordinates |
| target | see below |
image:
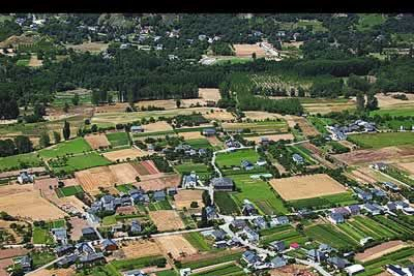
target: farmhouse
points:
(248, 208)
(391, 186)
(251, 258)
(354, 269)
(159, 196)
(339, 263)
(135, 227)
(282, 220)
(278, 262)
(137, 129)
(363, 195)
(238, 224)
(354, 209)
(67, 260)
(336, 218)
(109, 245)
(278, 245)
(25, 177)
(59, 235)
(246, 165)
(209, 132)
(260, 223)
(250, 234)
(88, 233)
(297, 159)
(316, 255)
(64, 249)
(211, 212)
(222, 184)
(91, 258)
(373, 209)
(190, 181)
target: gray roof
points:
(221, 181)
(91, 257)
(339, 262)
(88, 231)
(251, 257)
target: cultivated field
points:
(209, 94)
(124, 154)
(246, 50)
(409, 167)
(166, 220)
(93, 178)
(218, 115)
(184, 198)
(370, 155)
(118, 139)
(192, 135)
(265, 127)
(77, 225)
(381, 140)
(275, 137)
(157, 127)
(109, 108)
(167, 104)
(262, 115)
(379, 251)
(25, 201)
(305, 126)
(93, 47)
(124, 173)
(97, 141)
(309, 186)
(139, 249)
(177, 245)
(324, 106)
(55, 272)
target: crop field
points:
(305, 153)
(187, 167)
(69, 191)
(246, 50)
(118, 139)
(321, 123)
(20, 161)
(42, 236)
(225, 203)
(184, 198)
(379, 251)
(177, 245)
(140, 248)
(93, 47)
(79, 162)
(124, 154)
(342, 199)
(235, 158)
(25, 201)
(202, 143)
(324, 106)
(166, 220)
(285, 233)
(309, 186)
(326, 233)
(74, 146)
(265, 127)
(221, 270)
(211, 258)
(372, 228)
(258, 192)
(382, 140)
(271, 137)
(197, 241)
(97, 141)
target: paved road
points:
(45, 266)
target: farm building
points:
(91, 259)
(282, 220)
(190, 181)
(297, 159)
(137, 129)
(339, 263)
(373, 209)
(336, 218)
(391, 186)
(209, 132)
(64, 249)
(246, 165)
(222, 183)
(109, 245)
(278, 262)
(67, 260)
(238, 224)
(135, 227)
(250, 234)
(248, 208)
(260, 223)
(354, 269)
(25, 178)
(159, 196)
(88, 233)
(278, 245)
(59, 235)
(251, 258)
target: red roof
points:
(294, 245)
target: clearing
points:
(308, 186)
(166, 220)
(209, 94)
(93, 47)
(246, 50)
(177, 245)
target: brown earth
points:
(246, 50)
(97, 141)
(184, 198)
(370, 155)
(209, 94)
(55, 272)
(177, 245)
(108, 108)
(157, 126)
(306, 127)
(124, 154)
(124, 173)
(139, 249)
(379, 251)
(35, 62)
(93, 47)
(166, 220)
(192, 135)
(77, 225)
(274, 137)
(160, 183)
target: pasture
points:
(20, 161)
(69, 191)
(77, 145)
(235, 158)
(78, 162)
(202, 143)
(382, 140)
(187, 167)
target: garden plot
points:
(309, 186)
(184, 198)
(25, 201)
(265, 127)
(379, 251)
(177, 245)
(109, 108)
(246, 50)
(118, 139)
(125, 154)
(305, 126)
(219, 114)
(166, 220)
(209, 94)
(273, 137)
(139, 249)
(370, 155)
(381, 140)
(261, 115)
(159, 183)
(93, 47)
(97, 141)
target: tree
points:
(94, 128)
(75, 99)
(44, 140)
(206, 198)
(301, 92)
(66, 130)
(95, 97)
(39, 110)
(372, 102)
(360, 102)
(56, 137)
(254, 55)
(178, 103)
(23, 144)
(66, 107)
(194, 204)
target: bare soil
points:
(177, 245)
(184, 198)
(124, 154)
(246, 50)
(166, 220)
(379, 251)
(97, 141)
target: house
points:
(343, 211)
(250, 234)
(222, 184)
(84, 248)
(25, 178)
(247, 165)
(339, 263)
(278, 262)
(354, 269)
(251, 258)
(354, 209)
(316, 255)
(64, 249)
(278, 245)
(88, 233)
(238, 224)
(185, 272)
(91, 259)
(158, 47)
(108, 202)
(209, 132)
(391, 186)
(264, 140)
(297, 159)
(248, 208)
(363, 195)
(109, 245)
(408, 211)
(26, 263)
(326, 248)
(137, 129)
(159, 196)
(135, 227)
(172, 191)
(135, 272)
(59, 235)
(372, 209)
(190, 181)
(401, 205)
(380, 166)
(365, 240)
(230, 143)
(67, 260)
(221, 244)
(390, 207)
(282, 220)
(260, 222)
(396, 270)
(336, 218)
(211, 212)
(261, 162)
(294, 245)
(126, 200)
(218, 235)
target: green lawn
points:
(23, 62)
(41, 258)
(118, 139)
(20, 161)
(285, 233)
(197, 240)
(77, 145)
(79, 162)
(199, 143)
(125, 188)
(187, 167)
(381, 140)
(235, 158)
(369, 20)
(42, 236)
(258, 192)
(225, 203)
(69, 191)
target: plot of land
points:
(97, 141)
(77, 225)
(35, 62)
(108, 108)
(209, 94)
(78, 162)
(407, 166)
(77, 145)
(177, 245)
(246, 50)
(159, 183)
(379, 251)
(219, 115)
(118, 139)
(258, 127)
(167, 104)
(140, 248)
(157, 127)
(381, 140)
(275, 137)
(309, 186)
(324, 106)
(307, 128)
(124, 154)
(93, 47)
(55, 272)
(124, 173)
(93, 178)
(370, 155)
(184, 198)
(25, 201)
(192, 135)
(166, 220)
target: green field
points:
(381, 140)
(401, 111)
(235, 158)
(187, 167)
(262, 127)
(285, 233)
(321, 123)
(167, 273)
(258, 192)
(197, 240)
(199, 143)
(79, 162)
(21, 161)
(342, 199)
(160, 205)
(223, 270)
(77, 145)
(69, 191)
(23, 62)
(125, 188)
(326, 233)
(314, 25)
(367, 21)
(118, 139)
(130, 264)
(225, 203)
(42, 236)
(41, 258)
(213, 259)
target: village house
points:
(238, 224)
(372, 209)
(363, 195)
(136, 227)
(25, 178)
(397, 270)
(211, 212)
(278, 262)
(354, 209)
(218, 235)
(251, 235)
(297, 159)
(316, 256)
(391, 186)
(91, 259)
(64, 249)
(109, 245)
(248, 208)
(247, 165)
(159, 196)
(336, 218)
(276, 221)
(390, 207)
(277, 245)
(60, 235)
(251, 258)
(88, 233)
(67, 261)
(209, 132)
(260, 222)
(137, 129)
(338, 263)
(190, 181)
(354, 269)
(222, 184)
